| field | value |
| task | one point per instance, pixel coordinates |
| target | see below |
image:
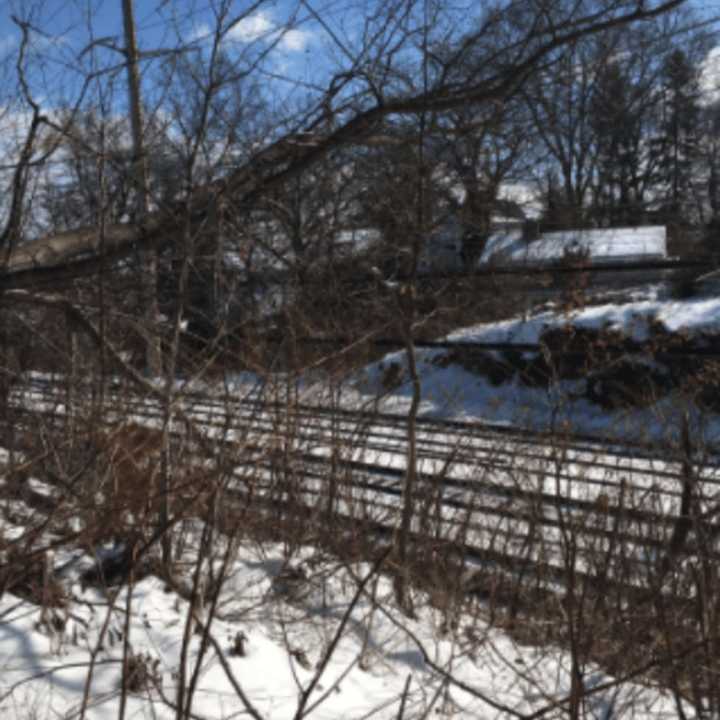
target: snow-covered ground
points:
(287, 630)
(449, 391)
(635, 319)
(274, 630)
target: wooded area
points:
(211, 206)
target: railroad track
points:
(445, 448)
(508, 497)
(209, 407)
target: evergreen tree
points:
(558, 213)
(710, 159)
(617, 122)
(680, 130)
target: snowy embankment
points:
(694, 317)
(451, 390)
(278, 613)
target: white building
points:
(604, 246)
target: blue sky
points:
(63, 28)
(303, 51)
(157, 20)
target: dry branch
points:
(75, 253)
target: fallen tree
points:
(77, 253)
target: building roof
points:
(606, 245)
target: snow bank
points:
(449, 391)
(635, 320)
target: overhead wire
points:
(689, 28)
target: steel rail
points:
(455, 453)
(476, 429)
(510, 491)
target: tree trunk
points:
(148, 263)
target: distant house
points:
(444, 247)
(603, 246)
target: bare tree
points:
(376, 140)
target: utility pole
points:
(148, 269)
(148, 264)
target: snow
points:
(502, 245)
(453, 393)
(46, 672)
(635, 319)
(610, 245)
(288, 628)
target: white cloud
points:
(252, 27)
(295, 40)
(261, 26)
